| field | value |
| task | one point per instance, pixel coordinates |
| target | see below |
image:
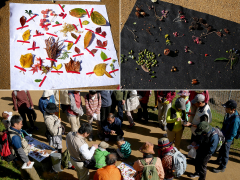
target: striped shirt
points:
(93, 105)
(126, 149)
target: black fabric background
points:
(204, 69)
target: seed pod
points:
(175, 69)
(137, 14)
(171, 70)
(138, 9)
(143, 13)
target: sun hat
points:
(51, 108)
(180, 103)
(147, 148)
(230, 104)
(203, 127)
(163, 142)
(103, 145)
(47, 93)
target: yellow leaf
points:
(58, 67)
(87, 39)
(26, 60)
(26, 35)
(100, 70)
(69, 46)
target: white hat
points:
(47, 93)
(9, 115)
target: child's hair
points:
(120, 138)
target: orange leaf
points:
(87, 39)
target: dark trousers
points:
(201, 164)
(104, 112)
(156, 99)
(143, 112)
(120, 108)
(23, 113)
(224, 154)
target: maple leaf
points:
(72, 66)
(101, 44)
(34, 68)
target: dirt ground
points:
(136, 136)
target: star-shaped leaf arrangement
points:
(35, 68)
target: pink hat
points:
(184, 93)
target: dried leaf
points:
(77, 50)
(104, 43)
(72, 66)
(38, 80)
(221, 59)
(103, 56)
(77, 12)
(34, 69)
(74, 35)
(64, 55)
(69, 46)
(26, 60)
(100, 44)
(45, 69)
(85, 22)
(98, 18)
(104, 33)
(26, 35)
(22, 20)
(94, 51)
(87, 39)
(100, 70)
(58, 67)
(98, 30)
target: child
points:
(6, 119)
(184, 94)
(124, 149)
(100, 154)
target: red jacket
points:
(193, 94)
(168, 95)
(145, 96)
(109, 172)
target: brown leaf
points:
(98, 30)
(94, 51)
(72, 66)
(145, 68)
(104, 43)
(87, 39)
(74, 35)
(77, 50)
(100, 44)
(22, 20)
(104, 33)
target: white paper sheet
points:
(24, 166)
(19, 81)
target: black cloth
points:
(210, 74)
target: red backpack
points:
(5, 151)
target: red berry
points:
(104, 33)
(44, 20)
(46, 28)
(41, 24)
(44, 16)
(51, 14)
(43, 12)
(41, 20)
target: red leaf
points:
(104, 43)
(35, 68)
(99, 43)
(22, 20)
(94, 51)
(77, 50)
(98, 30)
(104, 33)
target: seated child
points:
(100, 154)
(124, 149)
(6, 119)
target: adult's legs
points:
(178, 138)
(171, 135)
(145, 111)
(156, 99)
(160, 114)
(29, 115)
(27, 173)
(74, 122)
(82, 172)
(165, 110)
(203, 167)
(224, 154)
(22, 113)
(104, 112)
(120, 110)
(129, 116)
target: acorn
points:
(175, 69)
(143, 13)
(137, 14)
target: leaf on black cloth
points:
(77, 50)
(22, 20)
(221, 59)
(74, 35)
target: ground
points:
(136, 136)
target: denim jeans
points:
(120, 108)
(224, 154)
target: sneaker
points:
(131, 125)
(215, 161)
(193, 175)
(106, 139)
(219, 169)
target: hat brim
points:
(160, 147)
(52, 110)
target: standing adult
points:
(155, 100)
(47, 97)
(175, 115)
(21, 148)
(185, 95)
(192, 95)
(93, 104)
(79, 151)
(230, 127)
(106, 105)
(143, 112)
(118, 99)
(74, 110)
(205, 149)
(164, 103)
(23, 104)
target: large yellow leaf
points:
(26, 60)
(26, 35)
(100, 70)
(87, 39)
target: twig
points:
(135, 37)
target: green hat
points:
(203, 127)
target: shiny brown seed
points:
(143, 13)
(175, 69)
(138, 9)
(137, 14)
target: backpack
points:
(221, 137)
(5, 150)
(149, 170)
(65, 158)
(179, 163)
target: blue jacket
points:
(43, 102)
(230, 126)
(16, 140)
(106, 98)
(115, 126)
(208, 143)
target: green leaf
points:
(64, 55)
(114, 60)
(221, 59)
(85, 22)
(77, 12)
(63, 6)
(98, 18)
(103, 56)
(56, 22)
(134, 23)
(26, 11)
(233, 62)
(30, 11)
(38, 80)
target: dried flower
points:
(138, 9)
(226, 30)
(219, 33)
(197, 40)
(175, 34)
